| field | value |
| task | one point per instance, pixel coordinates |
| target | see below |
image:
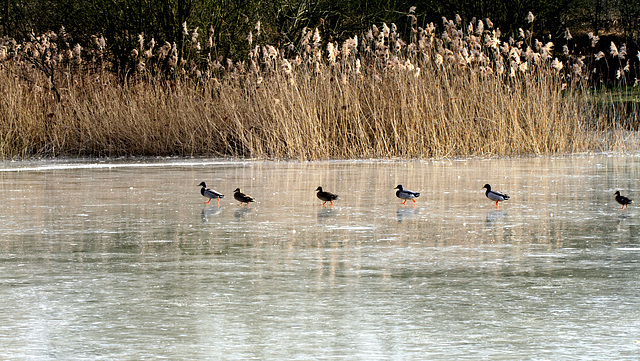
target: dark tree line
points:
(282, 21)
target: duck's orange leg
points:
(405, 202)
(209, 202)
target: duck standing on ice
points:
(209, 193)
(624, 201)
(495, 196)
(326, 196)
(241, 197)
(406, 194)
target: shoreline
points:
(66, 163)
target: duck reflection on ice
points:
(242, 212)
(494, 216)
(620, 219)
(326, 213)
(406, 213)
(210, 212)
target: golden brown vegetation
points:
(462, 92)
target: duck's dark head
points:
(487, 186)
(237, 190)
(319, 189)
(399, 187)
(617, 193)
(202, 184)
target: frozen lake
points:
(123, 260)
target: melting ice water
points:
(122, 260)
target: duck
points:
(495, 196)
(326, 196)
(209, 193)
(624, 201)
(241, 197)
(406, 194)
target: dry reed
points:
(462, 92)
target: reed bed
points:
(463, 91)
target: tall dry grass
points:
(461, 92)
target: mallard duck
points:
(209, 193)
(406, 194)
(624, 201)
(495, 196)
(241, 197)
(326, 196)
